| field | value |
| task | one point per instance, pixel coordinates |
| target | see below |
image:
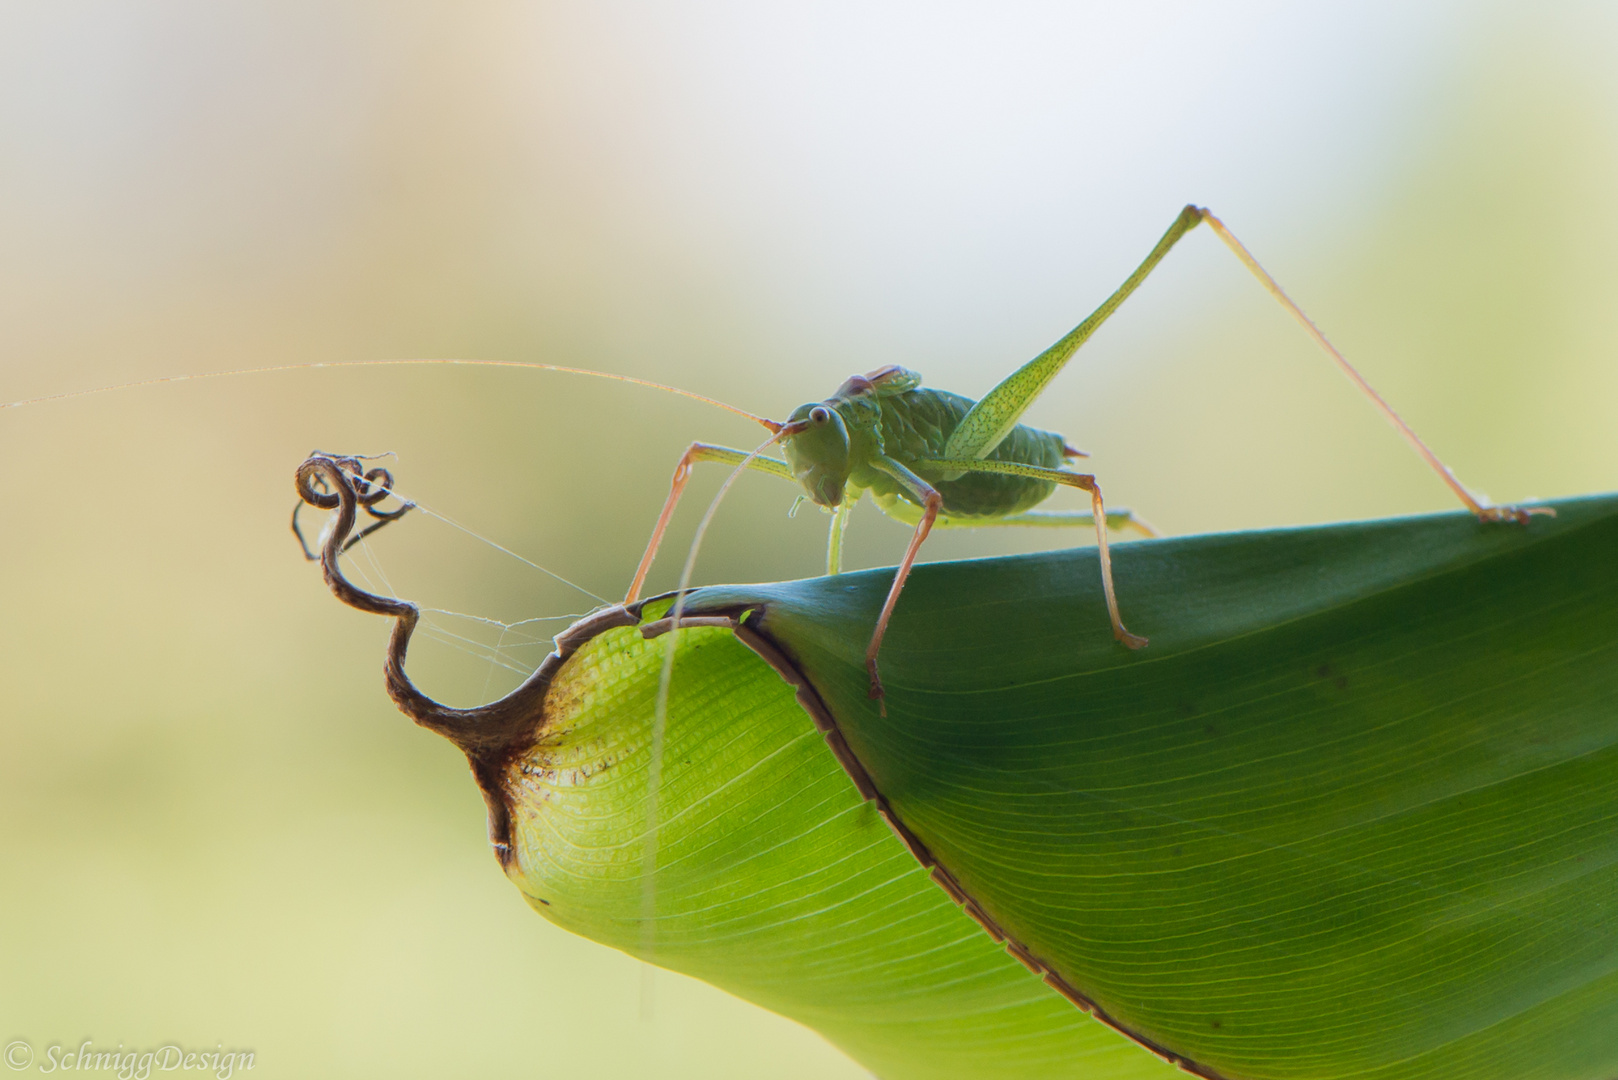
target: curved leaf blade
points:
(1352, 814)
(775, 880)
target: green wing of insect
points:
(893, 380)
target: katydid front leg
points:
(696, 452)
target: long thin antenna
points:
(383, 483)
(69, 395)
(660, 720)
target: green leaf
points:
(1353, 813)
(775, 880)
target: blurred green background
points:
(213, 826)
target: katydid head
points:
(815, 443)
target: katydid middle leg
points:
(926, 521)
(834, 538)
(1098, 510)
(931, 502)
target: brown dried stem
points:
(490, 735)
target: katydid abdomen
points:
(916, 425)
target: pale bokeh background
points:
(213, 826)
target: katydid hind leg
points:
(1483, 511)
(988, 422)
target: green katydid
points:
(936, 459)
(931, 458)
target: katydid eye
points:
(819, 415)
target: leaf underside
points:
(1353, 813)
